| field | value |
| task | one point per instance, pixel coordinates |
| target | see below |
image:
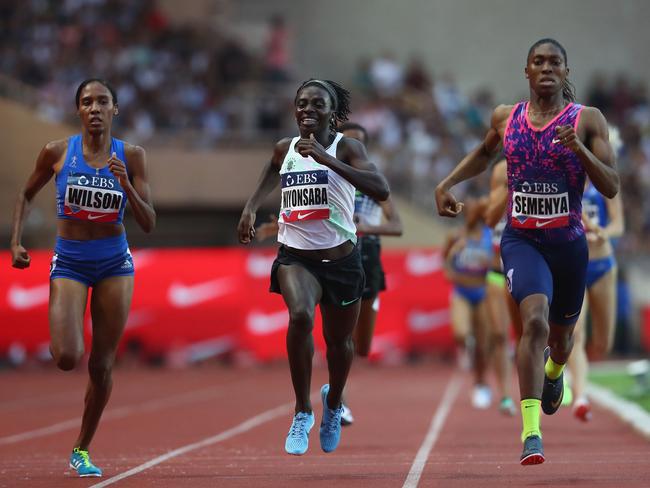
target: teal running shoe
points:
(330, 426)
(533, 452)
(507, 407)
(80, 461)
(297, 441)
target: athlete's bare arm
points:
(598, 159)
(498, 194)
(392, 225)
(473, 164)
(616, 226)
(351, 163)
(269, 179)
(135, 185)
(46, 162)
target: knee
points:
(100, 372)
(536, 327)
(599, 348)
(301, 320)
(68, 359)
(498, 339)
(362, 350)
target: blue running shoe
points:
(330, 426)
(297, 441)
(553, 390)
(80, 461)
(533, 452)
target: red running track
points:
(219, 426)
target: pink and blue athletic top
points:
(86, 193)
(545, 179)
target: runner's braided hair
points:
(339, 96)
(568, 90)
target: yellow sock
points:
(552, 369)
(530, 408)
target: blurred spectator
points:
(277, 51)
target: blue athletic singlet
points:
(475, 258)
(86, 193)
(545, 179)
(594, 205)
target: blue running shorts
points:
(91, 261)
(557, 270)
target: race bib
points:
(304, 196)
(93, 197)
(540, 205)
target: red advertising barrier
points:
(194, 303)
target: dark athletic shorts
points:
(371, 259)
(342, 280)
(557, 270)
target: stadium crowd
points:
(192, 83)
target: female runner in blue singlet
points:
(551, 144)
(604, 223)
(318, 261)
(468, 255)
(95, 176)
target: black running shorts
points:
(342, 280)
(371, 259)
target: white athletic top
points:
(317, 203)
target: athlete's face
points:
(546, 69)
(314, 110)
(355, 134)
(96, 108)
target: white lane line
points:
(115, 413)
(437, 423)
(627, 411)
(245, 426)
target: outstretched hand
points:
(447, 204)
(118, 168)
(19, 257)
(246, 227)
(311, 147)
(566, 135)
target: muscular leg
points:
(110, 303)
(66, 313)
(480, 330)
(461, 317)
(499, 320)
(338, 323)
(365, 327)
(530, 352)
(578, 362)
(301, 292)
(560, 340)
(602, 299)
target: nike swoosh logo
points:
(260, 323)
(557, 404)
(25, 298)
(555, 141)
(568, 316)
(302, 216)
(95, 217)
(539, 224)
(345, 303)
(183, 296)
